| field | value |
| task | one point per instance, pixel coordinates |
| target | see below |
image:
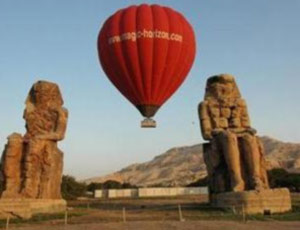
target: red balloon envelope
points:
(146, 51)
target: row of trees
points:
(71, 189)
(281, 178)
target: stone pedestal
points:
(26, 208)
(254, 202)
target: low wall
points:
(101, 193)
(98, 193)
(177, 191)
(115, 193)
(149, 192)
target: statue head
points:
(222, 88)
(44, 94)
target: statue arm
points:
(245, 115)
(205, 123)
(61, 127)
(245, 120)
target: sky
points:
(257, 41)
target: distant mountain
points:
(183, 165)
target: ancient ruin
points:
(234, 156)
(32, 164)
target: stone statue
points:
(32, 164)
(235, 156)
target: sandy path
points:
(174, 225)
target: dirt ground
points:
(175, 225)
(156, 214)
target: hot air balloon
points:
(146, 51)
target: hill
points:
(183, 165)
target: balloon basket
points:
(148, 123)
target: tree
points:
(281, 178)
(110, 184)
(94, 186)
(275, 175)
(128, 185)
(71, 189)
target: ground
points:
(176, 225)
(188, 213)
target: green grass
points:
(199, 211)
(191, 211)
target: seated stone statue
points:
(32, 165)
(234, 156)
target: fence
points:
(149, 192)
(184, 208)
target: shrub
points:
(71, 189)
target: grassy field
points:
(164, 209)
(186, 208)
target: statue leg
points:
(11, 166)
(252, 156)
(46, 165)
(33, 168)
(263, 167)
(218, 174)
(231, 153)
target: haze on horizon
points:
(257, 42)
